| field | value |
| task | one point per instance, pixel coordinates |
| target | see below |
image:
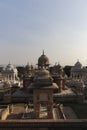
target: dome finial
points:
(43, 52)
(77, 60)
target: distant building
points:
(79, 72)
(10, 73)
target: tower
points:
(43, 88)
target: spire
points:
(9, 62)
(27, 63)
(58, 63)
(55, 63)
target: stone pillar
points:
(60, 85)
(13, 77)
(50, 110)
(8, 77)
(11, 108)
(37, 110)
(63, 84)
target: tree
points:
(21, 71)
(67, 70)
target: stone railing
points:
(4, 112)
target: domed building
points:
(78, 71)
(10, 73)
(43, 61)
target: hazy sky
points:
(29, 26)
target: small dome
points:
(28, 67)
(43, 60)
(59, 67)
(32, 67)
(43, 78)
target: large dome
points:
(43, 60)
(43, 73)
(43, 78)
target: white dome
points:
(10, 68)
(78, 64)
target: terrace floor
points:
(20, 112)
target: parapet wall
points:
(6, 110)
(48, 124)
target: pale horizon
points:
(57, 26)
